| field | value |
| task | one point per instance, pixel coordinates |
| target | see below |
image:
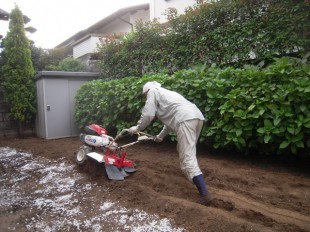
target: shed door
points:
(57, 108)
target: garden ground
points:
(252, 193)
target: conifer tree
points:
(18, 72)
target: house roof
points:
(92, 29)
(88, 36)
(4, 15)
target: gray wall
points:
(55, 96)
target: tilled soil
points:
(252, 193)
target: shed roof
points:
(61, 74)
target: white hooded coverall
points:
(178, 115)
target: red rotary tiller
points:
(104, 149)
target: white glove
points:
(133, 130)
(158, 139)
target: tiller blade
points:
(113, 172)
(129, 169)
(116, 167)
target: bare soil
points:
(253, 193)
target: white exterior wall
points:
(116, 26)
(87, 46)
(120, 26)
(158, 7)
(143, 15)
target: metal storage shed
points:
(55, 102)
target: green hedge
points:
(267, 110)
(223, 32)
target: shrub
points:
(72, 65)
(251, 108)
(225, 32)
(17, 73)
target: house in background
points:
(159, 7)
(84, 43)
(3, 16)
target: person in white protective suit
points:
(182, 117)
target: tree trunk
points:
(20, 129)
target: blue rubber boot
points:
(205, 196)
